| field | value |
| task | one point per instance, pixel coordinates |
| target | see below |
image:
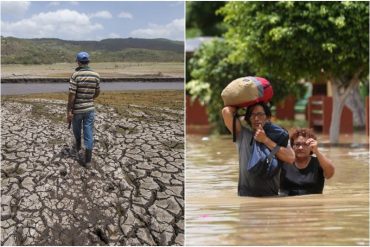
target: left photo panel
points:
(92, 123)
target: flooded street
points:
(215, 215)
(27, 88)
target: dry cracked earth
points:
(133, 194)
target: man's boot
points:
(77, 149)
(88, 155)
(78, 146)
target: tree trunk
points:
(340, 94)
(335, 119)
(336, 114)
(357, 106)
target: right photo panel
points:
(277, 123)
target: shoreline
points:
(103, 79)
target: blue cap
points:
(82, 56)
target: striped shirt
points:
(84, 83)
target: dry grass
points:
(111, 69)
(173, 99)
(39, 109)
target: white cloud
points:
(14, 8)
(64, 24)
(126, 15)
(176, 3)
(102, 14)
(54, 3)
(172, 30)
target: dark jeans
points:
(85, 121)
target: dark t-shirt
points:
(309, 180)
(250, 184)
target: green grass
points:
(48, 51)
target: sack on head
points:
(246, 91)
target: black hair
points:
(249, 111)
(84, 62)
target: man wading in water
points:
(83, 89)
(257, 116)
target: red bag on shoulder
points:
(246, 91)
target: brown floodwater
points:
(215, 215)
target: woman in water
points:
(308, 173)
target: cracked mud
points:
(132, 195)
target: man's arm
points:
(71, 100)
(285, 154)
(97, 89)
(228, 114)
(97, 92)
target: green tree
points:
(211, 71)
(294, 40)
(202, 20)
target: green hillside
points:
(47, 51)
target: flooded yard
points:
(215, 215)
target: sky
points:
(93, 20)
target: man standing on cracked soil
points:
(83, 89)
